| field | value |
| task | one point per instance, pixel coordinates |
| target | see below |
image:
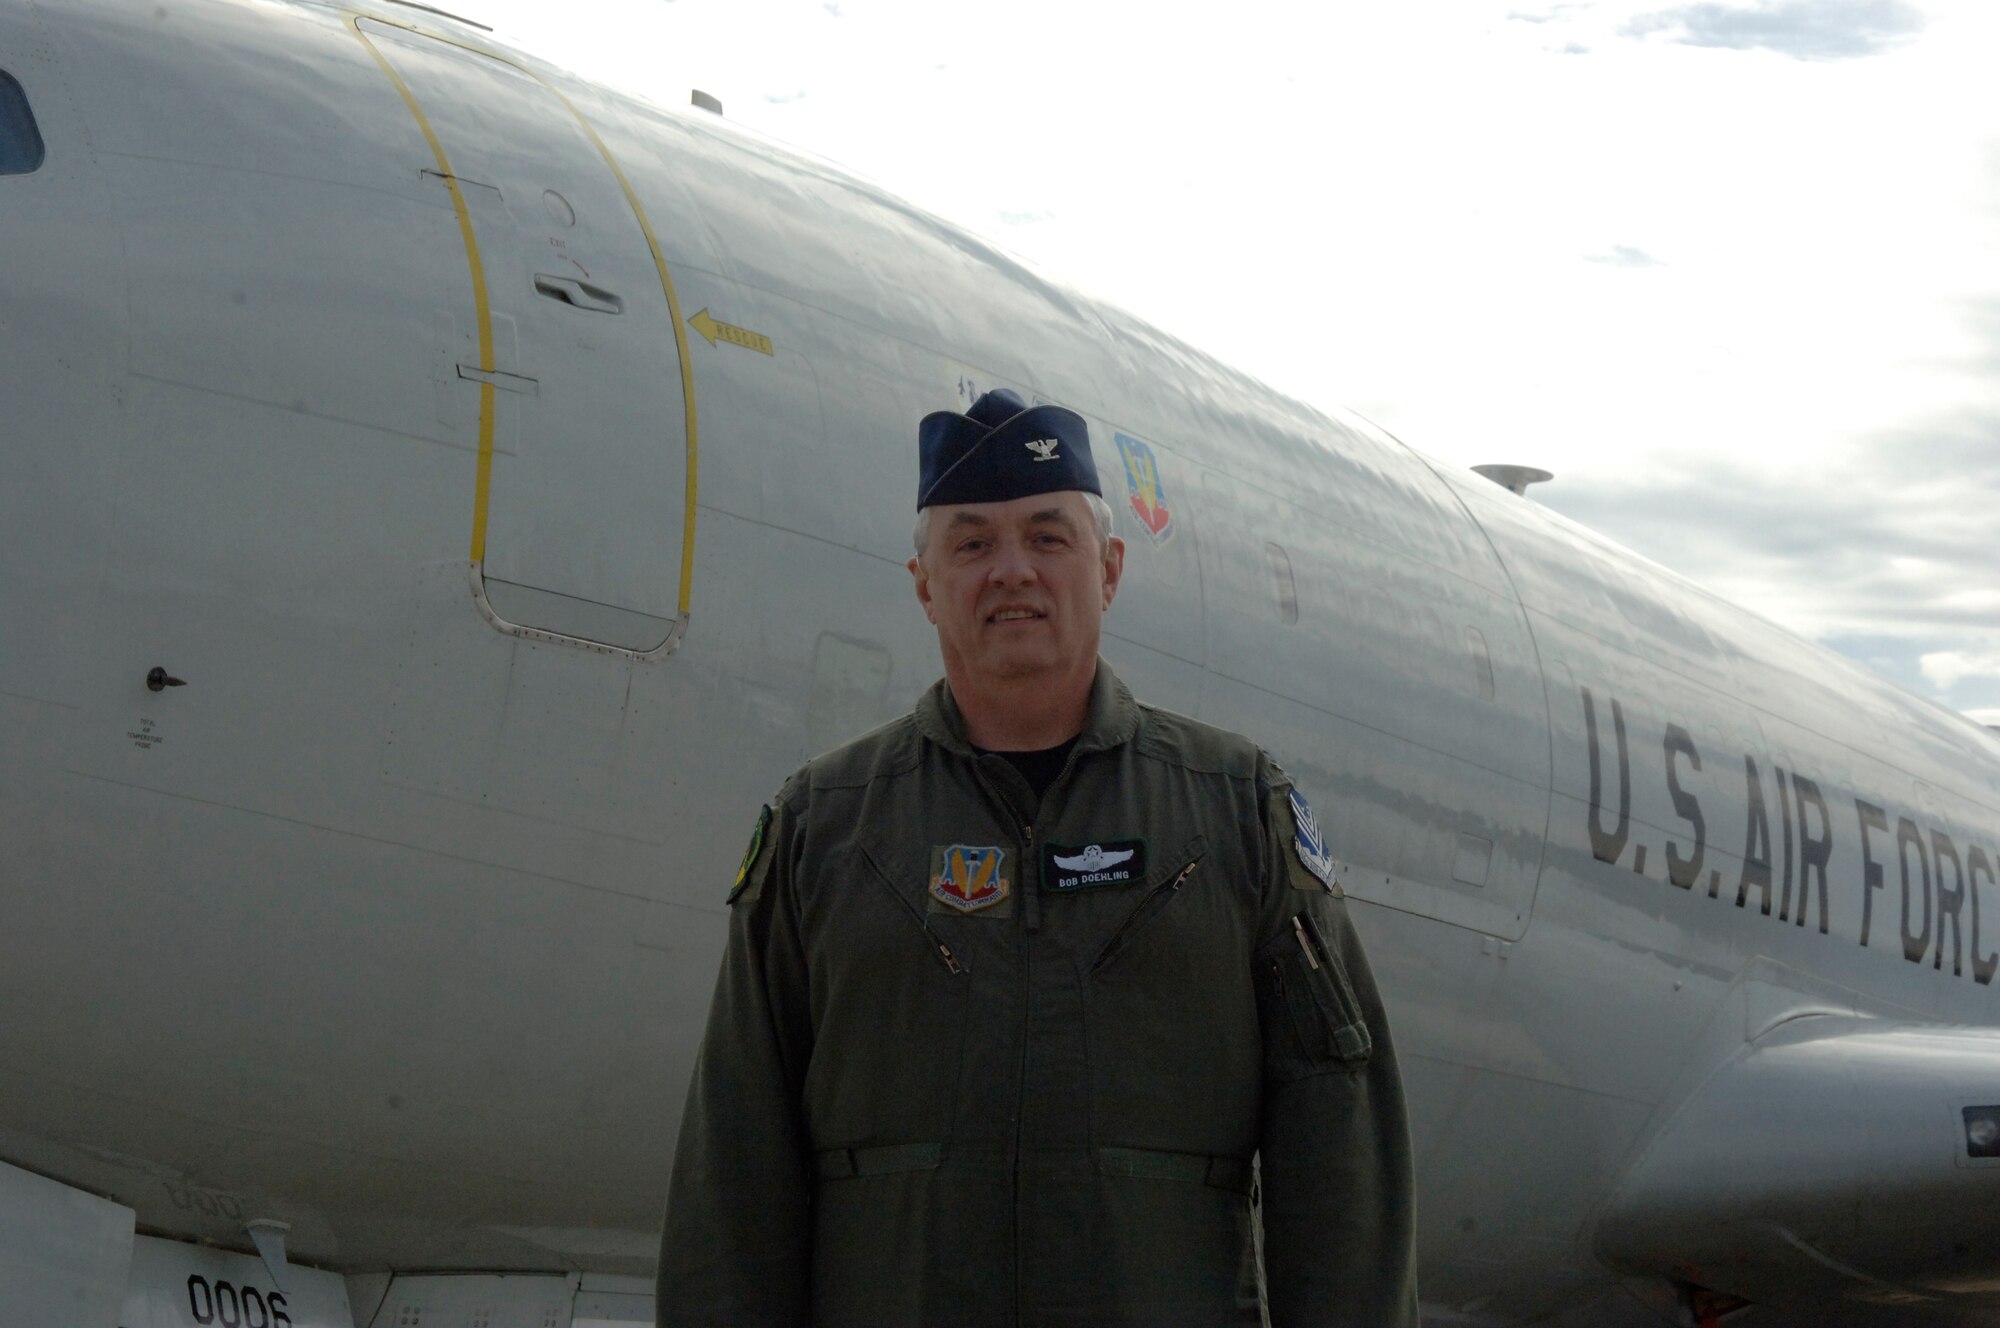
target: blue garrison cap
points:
(1002, 448)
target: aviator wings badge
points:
(1093, 858)
(1109, 862)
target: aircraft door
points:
(563, 368)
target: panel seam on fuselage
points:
(1534, 644)
(482, 307)
(327, 827)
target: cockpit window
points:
(20, 141)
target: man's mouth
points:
(1012, 615)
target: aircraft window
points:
(1282, 584)
(20, 141)
(1482, 663)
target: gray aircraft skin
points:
(519, 478)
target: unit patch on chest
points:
(969, 878)
(1110, 862)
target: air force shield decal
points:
(1142, 483)
(969, 878)
(1310, 844)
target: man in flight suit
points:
(1019, 985)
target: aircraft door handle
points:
(580, 294)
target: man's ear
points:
(1114, 567)
(923, 586)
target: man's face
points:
(1017, 588)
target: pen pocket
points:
(1312, 1021)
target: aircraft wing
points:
(1835, 1157)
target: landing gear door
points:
(560, 368)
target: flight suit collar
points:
(1112, 719)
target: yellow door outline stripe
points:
(482, 309)
(680, 338)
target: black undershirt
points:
(1038, 768)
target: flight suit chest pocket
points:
(1158, 891)
(1311, 1019)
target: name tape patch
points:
(1087, 866)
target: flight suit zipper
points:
(1157, 899)
(951, 964)
(1030, 888)
(1031, 899)
(936, 942)
(1031, 921)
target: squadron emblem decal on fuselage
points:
(1142, 482)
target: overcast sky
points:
(1731, 270)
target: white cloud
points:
(1948, 668)
(1803, 29)
(1625, 255)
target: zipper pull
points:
(1299, 930)
(949, 962)
(1031, 900)
(1186, 872)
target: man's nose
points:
(1011, 565)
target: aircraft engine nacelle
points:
(1857, 1147)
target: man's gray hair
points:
(1099, 509)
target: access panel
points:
(565, 357)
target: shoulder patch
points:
(750, 855)
(1310, 844)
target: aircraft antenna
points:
(1514, 479)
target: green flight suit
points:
(947, 1081)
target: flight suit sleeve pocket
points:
(1311, 1020)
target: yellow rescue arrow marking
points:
(714, 330)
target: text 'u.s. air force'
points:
(1806, 859)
